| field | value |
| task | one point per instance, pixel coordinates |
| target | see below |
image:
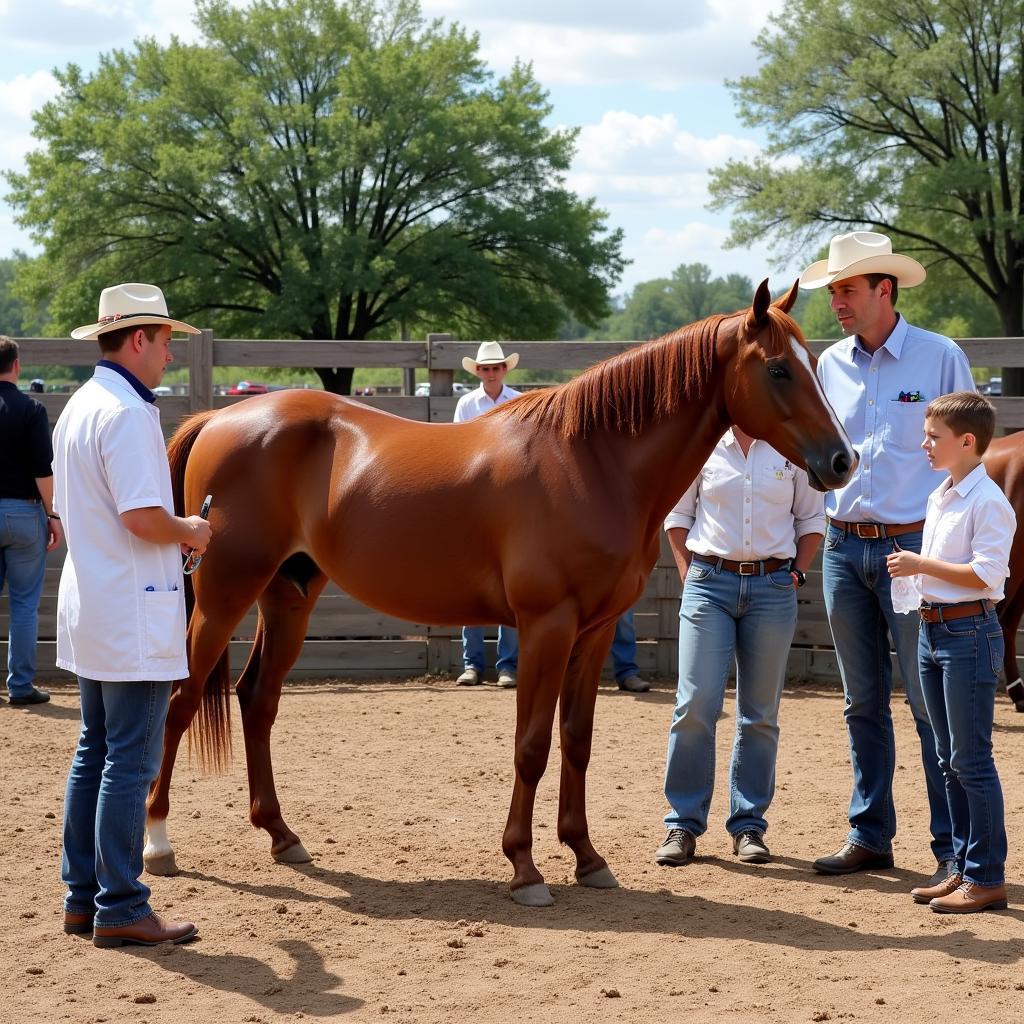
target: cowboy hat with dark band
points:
(130, 305)
(860, 253)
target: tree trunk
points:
(1011, 314)
(336, 380)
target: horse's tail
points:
(210, 731)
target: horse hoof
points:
(161, 864)
(536, 895)
(294, 854)
(602, 878)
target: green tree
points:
(18, 319)
(903, 115)
(655, 307)
(315, 169)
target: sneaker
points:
(507, 680)
(34, 696)
(468, 678)
(634, 684)
(750, 847)
(678, 848)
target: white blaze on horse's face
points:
(804, 356)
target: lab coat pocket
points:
(165, 623)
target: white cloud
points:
(54, 25)
(24, 94)
(631, 158)
(639, 43)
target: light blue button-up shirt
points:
(894, 478)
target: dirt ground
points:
(400, 791)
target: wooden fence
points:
(348, 639)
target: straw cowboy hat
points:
(489, 354)
(858, 253)
(130, 305)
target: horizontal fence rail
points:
(347, 638)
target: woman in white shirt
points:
(743, 535)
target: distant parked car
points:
(993, 387)
(37, 385)
(162, 391)
(460, 389)
(246, 387)
(423, 390)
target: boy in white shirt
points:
(961, 571)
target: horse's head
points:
(772, 392)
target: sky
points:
(643, 80)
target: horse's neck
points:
(666, 458)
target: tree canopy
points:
(661, 305)
(902, 115)
(314, 169)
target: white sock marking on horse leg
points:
(157, 843)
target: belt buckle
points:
(748, 568)
(868, 531)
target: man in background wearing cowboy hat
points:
(120, 612)
(879, 380)
(492, 367)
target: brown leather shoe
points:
(150, 931)
(852, 858)
(77, 924)
(971, 899)
(927, 893)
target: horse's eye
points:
(777, 371)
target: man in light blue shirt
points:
(879, 380)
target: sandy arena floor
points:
(400, 791)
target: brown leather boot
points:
(927, 893)
(150, 931)
(971, 899)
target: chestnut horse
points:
(1004, 461)
(559, 494)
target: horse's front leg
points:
(543, 655)
(576, 711)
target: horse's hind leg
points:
(284, 615)
(576, 711)
(207, 643)
(1010, 612)
(543, 656)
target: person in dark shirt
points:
(28, 526)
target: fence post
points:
(200, 371)
(441, 380)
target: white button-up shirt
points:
(892, 482)
(476, 402)
(969, 524)
(747, 507)
(120, 606)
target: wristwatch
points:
(801, 579)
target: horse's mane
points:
(648, 383)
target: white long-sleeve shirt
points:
(476, 402)
(973, 524)
(748, 507)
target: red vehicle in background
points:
(245, 387)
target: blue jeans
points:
(960, 663)
(860, 614)
(473, 648)
(724, 616)
(118, 756)
(23, 537)
(624, 647)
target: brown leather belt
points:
(761, 568)
(949, 612)
(876, 531)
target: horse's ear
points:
(787, 302)
(759, 309)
